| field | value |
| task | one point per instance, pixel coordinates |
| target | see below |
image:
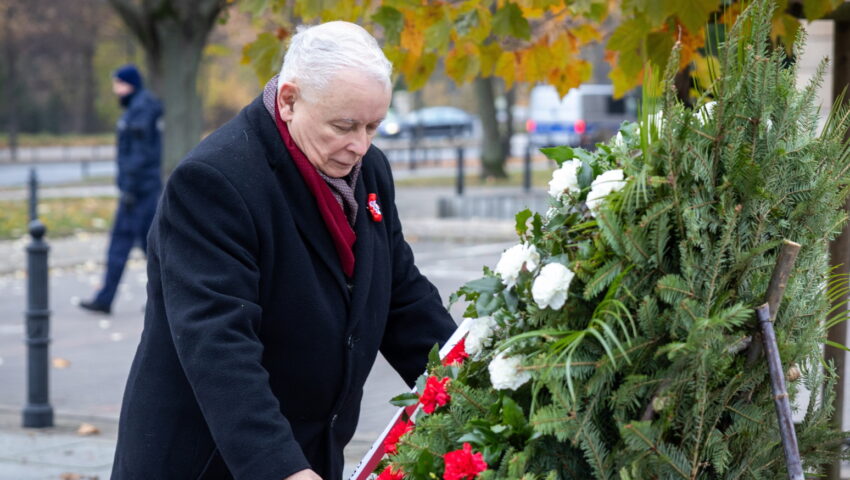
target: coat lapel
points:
(364, 253)
(300, 200)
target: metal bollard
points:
(37, 413)
(460, 171)
(33, 186)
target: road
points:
(56, 165)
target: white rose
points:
(551, 285)
(512, 261)
(479, 336)
(610, 181)
(565, 179)
(505, 372)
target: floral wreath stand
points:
(766, 314)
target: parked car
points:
(391, 127)
(437, 122)
(588, 114)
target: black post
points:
(526, 179)
(37, 413)
(33, 185)
(460, 171)
(414, 145)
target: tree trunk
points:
(508, 133)
(11, 83)
(177, 76)
(173, 37)
(493, 155)
(839, 249)
(89, 90)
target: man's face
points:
(334, 127)
(121, 88)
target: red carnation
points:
(398, 430)
(463, 464)
(457, 354)
(435, 394)
(388, 474)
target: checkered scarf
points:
(341, 188)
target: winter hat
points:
(129, 74)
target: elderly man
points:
(277, 270)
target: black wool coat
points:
(256, 347)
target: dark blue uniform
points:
(139, 180)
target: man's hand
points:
(304, 475)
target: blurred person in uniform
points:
(139, 179)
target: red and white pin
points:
(374, 208)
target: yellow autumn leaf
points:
(586, 33)
(506, 68)
(538, 60)
(463, 63)
(574, 72)
(703, 68)
(622, 81)
(418, 69)
(489, 55)
(413, 34)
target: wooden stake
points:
(775, 289)
(780, 395)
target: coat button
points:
(350, 342)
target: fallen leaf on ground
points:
(60, 363)
(87, 429)
(77, 476)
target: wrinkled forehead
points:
(359, 97)
(346, 80)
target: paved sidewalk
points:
(91, 354)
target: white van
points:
(587, 115)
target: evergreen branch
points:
(702, 398)
(733, 409)
(655, 450)
(649, 219)
(405, 441)
(464, 395)
(599, 466)
(703, 134)
(721, 253)
(568, 418)
(556, 365)
(636, 245)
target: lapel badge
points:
(374, 208)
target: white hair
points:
(317, 54)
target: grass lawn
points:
(52, 140)
(62, 216)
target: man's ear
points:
(287, 94)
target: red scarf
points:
(341, 232)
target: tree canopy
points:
(526, 40)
